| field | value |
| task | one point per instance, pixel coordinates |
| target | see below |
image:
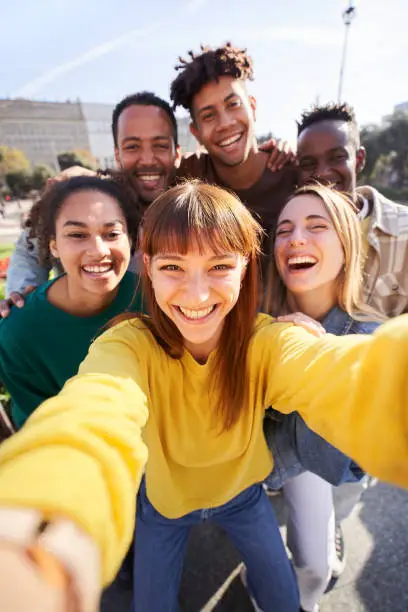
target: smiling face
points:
(224, 117)
(197, 291)
(146, 149)
(327, 153)
(308, 252)
(92, 243)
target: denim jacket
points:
(295, 447)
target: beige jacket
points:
(386, 268)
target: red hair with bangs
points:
(194, 214)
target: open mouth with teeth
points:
(98, 270)
(301, 262)
(149, 179)
(231, 141)
(196, 314)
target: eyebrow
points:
(308, 218)
(82, 224)
(138, 139)
(211, 106)
(181, 258)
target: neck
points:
(244, 175)
(315, 304)
(74, 300)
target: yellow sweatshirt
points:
(82, 453)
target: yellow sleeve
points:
(81, 455)
(352, 390)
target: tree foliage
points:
(41, 173)
(387, 151)
(12, 160)
(82, 158)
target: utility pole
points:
(348, 16)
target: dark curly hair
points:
(330, 112)
(207, 66)
(43, 215)
(143, 98)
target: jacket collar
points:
(383, 215)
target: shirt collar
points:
(383, 214)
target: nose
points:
(323, 171)
(98, 247)
(225, 120)
(146, 156)
(297, 237)
(197, 290)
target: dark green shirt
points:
(41, 346)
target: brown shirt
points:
(264, 199)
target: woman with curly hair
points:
(87, 226)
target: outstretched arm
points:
(352, 390)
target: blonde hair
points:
(342, 214)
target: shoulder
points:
(194, 165)
(387, 214)
(20, 319)
(268, 332)
(132, 333)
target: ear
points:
(117, 157)
(252, 103)
(360, 159)
(195, 132)
(53, 248)
(177, 158)
(146, 263)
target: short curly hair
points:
(143, 98)
(207, 66)
(43, 215)
(330, 112)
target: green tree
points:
(12, 160)
(387, 143)
(41, 173)
(76, 158)
(19, 182)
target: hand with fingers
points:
(14, 299)
(302, 320)
(280, 153)
(52, 569)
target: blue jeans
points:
(248, 519)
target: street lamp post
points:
(348, 16)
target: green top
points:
(41, 346)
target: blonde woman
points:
(317, 271)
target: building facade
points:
(43, 130)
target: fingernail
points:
(19, 303)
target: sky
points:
(102, 50)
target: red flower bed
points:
(3, 266)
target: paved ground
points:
(375, 579)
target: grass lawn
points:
(5, 251)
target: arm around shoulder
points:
(25, 268)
